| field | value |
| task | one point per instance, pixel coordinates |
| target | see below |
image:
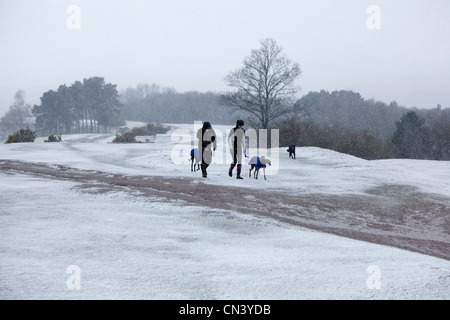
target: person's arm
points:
(230, 139)
(214, 140)
(243, 143)
(200, 141)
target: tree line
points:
(361, 144)
(341, 120)
(424, 134)
(346, 122)
(152, 103)
(349, 110)
(83, 107)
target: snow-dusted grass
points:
(314, 171)
(134, 247)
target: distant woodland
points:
(152, 103)
(346, 122)
(340, 120)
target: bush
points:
(23, 135)
(52, 138)
(127, 137)
(147, 130)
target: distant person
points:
(206, 137)
(236, 142)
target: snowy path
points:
(415, 221)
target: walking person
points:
(206, 137)
(236, 142)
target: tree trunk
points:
(86, 122)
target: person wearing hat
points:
(236, 142)
(206, 136)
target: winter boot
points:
(230, 172)
(204, 173)
(239, 172)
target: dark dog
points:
(195, 156)
(258, 163)
(291, 151)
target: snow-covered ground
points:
(314, 170)
(126, 246)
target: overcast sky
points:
(194, 44)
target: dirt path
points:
(393, 215)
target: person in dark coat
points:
(206, 143)
(236, 143)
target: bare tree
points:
(265, 85)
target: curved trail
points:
(393, 215)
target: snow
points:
(129, 247)
(314, 170)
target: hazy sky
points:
(194, 44)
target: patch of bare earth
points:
(394, 215)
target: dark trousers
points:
(206, 157)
